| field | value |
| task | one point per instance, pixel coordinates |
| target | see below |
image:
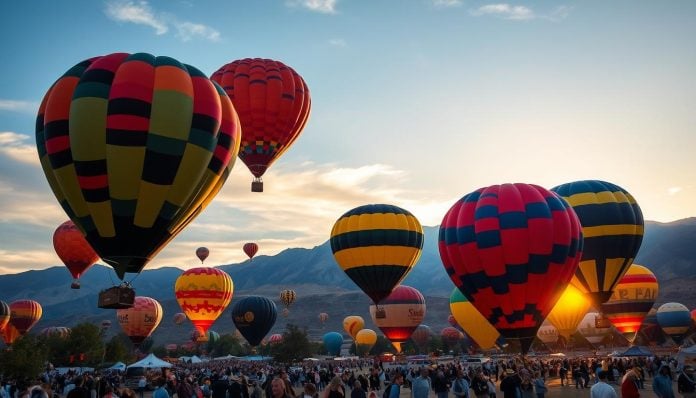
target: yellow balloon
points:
(470, 319)
(365, 339)
(569, 311)
(353, 324)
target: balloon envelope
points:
(377, 246)
(333, 342)
(275, 339)
(56, 331)
(4, 314)
(674, 319)
(254, 317)
(632, 299)
(323, 317)
(202, 253)
(10, 334)
(179, 318)
(612, 225)
(511, 249)
(250, 249)
(139, 321)
(470, 319)
(365, 339)
(422, 335)
(24, 314)
(589, 330)
(73, 249)
(203, 294)
(353, 324)
(134, 147)
(287, 297)
(398, 315)
(569, 311)
(451, 336)
(548, 334)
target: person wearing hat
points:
(662, 383)
(510, 384)
(686, 382)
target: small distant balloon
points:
(250, 249)
(202, 253)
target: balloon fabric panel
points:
(203, 294)
(24, 314)
(4, 314)
(254, 317)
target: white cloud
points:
(141, 13)
(320, 6)
(505, 11)
(338, 42)
(14, 146)
(559, 13)
(447, 3)
(138, 13)
(18, 106)
(674, 190)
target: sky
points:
(414, 103)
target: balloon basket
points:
(257, 186)
(75, 285)
(117, 297)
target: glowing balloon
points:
(139, 321)
(4, 314)
(179, 318)
(472, 322)
(631, 301)
(365, 339)
(548, 334)
(134, 147)
(287, 297)
(74, 251)
(203, 294)
(569, 311)
(10, 334)
(612, 226)
(377, 246)
(353, 324)
(589, 330)
(511, 249)
(333, 342)
(674, 319)
(254, 317)
(273, 103)
(24, 314)
(250, 249)
(398, 315)
(202, 253)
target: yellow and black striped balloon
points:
(376, 246)
(612, 226)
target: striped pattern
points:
(401, 313)
(673, 318)
(254, 317)
(203, 293)
(250, 249)
(275, 339)
(287, 297)
(202, 253)
(471, 321)
(511, 249)
(4, 314)
(377, 245)
(632, 299)
(273, 103)
(60, 332)
(24, 314)
(421, 336)
(139, 321)
(10, 334)
(548, 334)
(134, 147)
(612, 224)
(451, 336)
(569, 311)
(353, 324)
(73, 250)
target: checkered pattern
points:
(273, 103)
(471, 321)
(139, 321)
(511, 249)
(134, 147)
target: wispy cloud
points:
(18, 106)
(338, 42)
(15, 146)
(674, 190)
(141, 13)
(320, 6)
(520, 13)
(447, 3)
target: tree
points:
(119, 348)
(85, 344)
(146, 345)
(382, 345)
(227, 345)
(26, 358)
(295, 345)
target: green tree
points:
(160, 351)
(227, 345)
(25, 359)
(295, 345)
(119, 348)
(146, 345)
(382, 345)
(85, 344)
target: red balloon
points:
(398, 315)
(74, 250)
(250, 249)
(451, 336)
(202, 253)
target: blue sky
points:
(414, 103)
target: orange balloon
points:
(10, 334)
(203, 294)
(74, 250)
(139, 321)
(24, 314)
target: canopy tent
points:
(150, 361)
(687, 356)
(117, 366)
(636, 351)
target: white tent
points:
(687, 356)
(118, 366)
(195, 359)
(150, 361)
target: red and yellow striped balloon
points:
(353, 324)
(631, 300)
(4, 315)
(10, 334)
(203, 294)
(24, 314)
(139, 321)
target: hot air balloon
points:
(631, 301)
(377, 246)
(452, 321)
(254, 316)
(139, 321)
(421, 336)
(134, 147)
(203, 293)
(202, 253)
(213, 336)
(275, 339)
(250, 249)
(589, 330)
(10, 334)
(651, 330)
(4, 314)
(273, 103)
(24, 314)
(511, 249)
(323, 317)
(674, 319)
(179, 318)
(365, 339)
(74, 251)
(569, 311)
(451, 336)
(353, 324)
(287, 297)
(333, 342)
(55, 331)
(285, 312)
(471, 321)
(548, 334)
(612, 226)
(398, 315)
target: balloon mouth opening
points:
(126, 264)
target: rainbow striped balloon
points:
(631, 301)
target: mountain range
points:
(668, 250)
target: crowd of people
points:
(509, 378)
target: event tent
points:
(150, 361)
(118, 366)
(636, 351)
(687, 356)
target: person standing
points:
(686, 382)
(540, 385)
(278, 389)
(601, 389)
(440, 385)
(480, 385)
(142, 383)
(510, 384)
(662, 383)
(460, 387)
(357, 391)
(629, 385)
(420, 387)
(161, 392)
